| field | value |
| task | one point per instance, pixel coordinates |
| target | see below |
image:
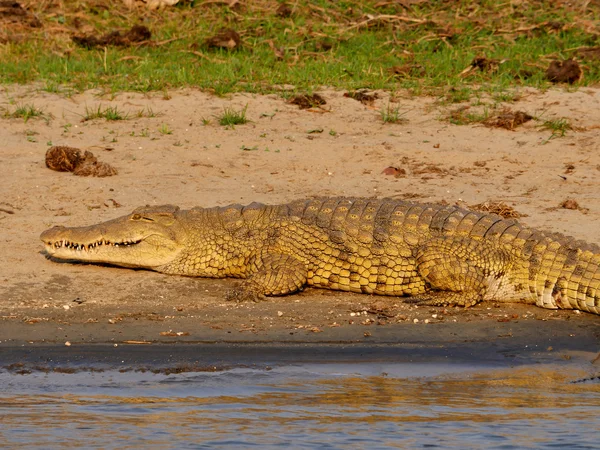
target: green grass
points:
(112, 113)
(26, 112)
(108, 113)
(506, 96)
(146, 112)
(457, 95)
(30, 134)
(230, 117)
(392, 114)
(164, 129)
(466, 116)
(346, 45)
(559, 127)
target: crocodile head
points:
(148, 238)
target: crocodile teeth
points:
(87, 247)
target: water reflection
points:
(319, 406)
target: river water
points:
(374, 404)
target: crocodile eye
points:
(137, 217)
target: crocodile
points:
(432, 254)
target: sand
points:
(283, 153)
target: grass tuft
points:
(164, 129)
(467, 116)
(393, 114)
(146, 112)
(559, 127)
(26, 112)
(108, 113)
(231, 117)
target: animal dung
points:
(70, 159)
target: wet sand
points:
(173, 341)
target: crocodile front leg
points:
(276, 274)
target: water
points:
(309, 405)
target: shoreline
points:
(124, 346)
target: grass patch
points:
(466, 115)
(113, 113)
(26, 112)
(457, 95)
(146, 112)
(108, 113)
(559, 127)
(433, 47)
(30, 134)
(232, 117)
(392, 114)
(164, 129)
(508, 96)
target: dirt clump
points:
(136, 35)
(13, 12)
(363, 96)
(429, 169)
(284, 10)
(570, 204)
(486, 65)
(69, 159)
(306, 101)
(92, 167)
(323, 45)
(508, 119)
(497, 207)
(62, 158)
(407, 70)
(226, 38)
(396, 172)
(567, 71)
(589, 53)
(383, 309)
(16, 22)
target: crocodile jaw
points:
(134, 250)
